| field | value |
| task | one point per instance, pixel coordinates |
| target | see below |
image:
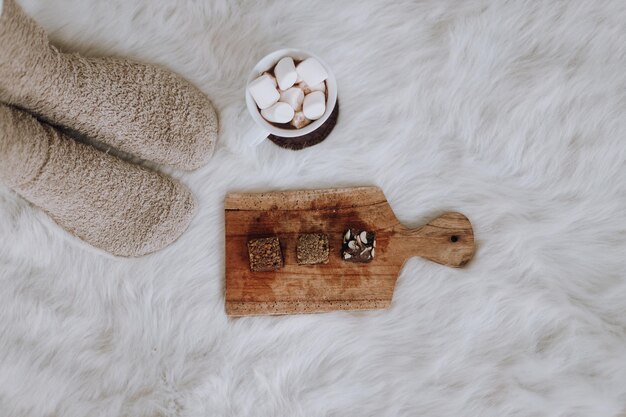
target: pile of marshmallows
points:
(294, 94)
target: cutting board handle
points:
(447, 240)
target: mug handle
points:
(256, 135)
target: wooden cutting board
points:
(337, 285)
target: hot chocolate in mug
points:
(262, 128)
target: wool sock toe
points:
(141, 109)
(122, 208)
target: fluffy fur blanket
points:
(511, 112)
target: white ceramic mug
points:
(263, 128)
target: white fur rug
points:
(511, 112)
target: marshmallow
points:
(278, 113)
(314, 105)
(299, 120)
(263, 91)
(285, 72)
(311, 71)
(310, 88)
(294, 97)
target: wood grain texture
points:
(337, 285)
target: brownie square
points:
(265, 254)
(312, 248)
(358, 246)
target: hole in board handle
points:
(454, 238)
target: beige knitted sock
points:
(137, 108)
(122, 208)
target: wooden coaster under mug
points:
(301, 142)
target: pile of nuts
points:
(291, 92)
(358, 246)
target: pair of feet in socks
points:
(125, 209)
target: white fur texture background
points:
(513, 113)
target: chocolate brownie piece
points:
(265, 254)
(358, 246)
(312, 248)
